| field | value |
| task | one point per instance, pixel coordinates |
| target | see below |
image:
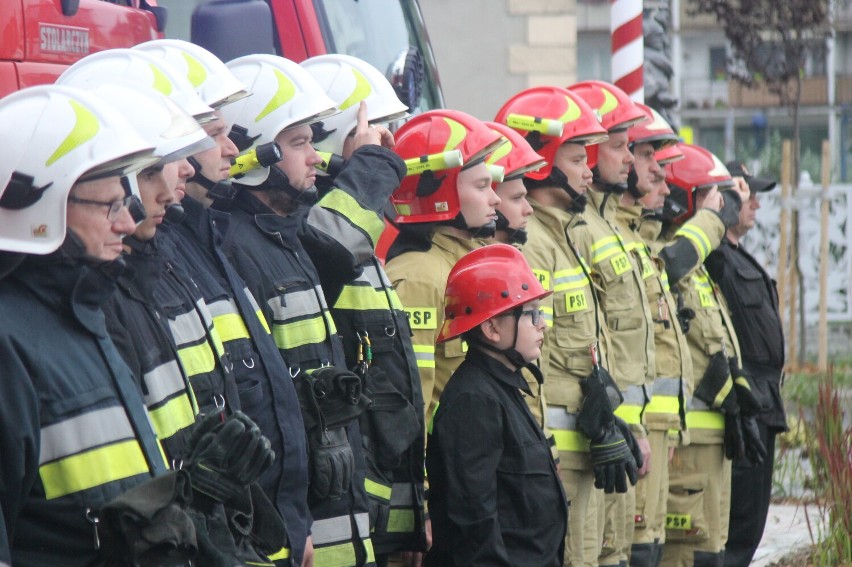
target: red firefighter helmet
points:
(668, 155)
(699, 169)
(436, 145)
(516, 156)
(616, 110)
(655, 130)
(547, 117)
(484, 283)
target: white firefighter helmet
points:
(349, 80)
(55, 136)
(213, 82)
(173, 133)
(284, 95)
(137, 68)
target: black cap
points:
(756, 184)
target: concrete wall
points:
(487, 50)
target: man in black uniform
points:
(753, 300)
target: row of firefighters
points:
(205, 361)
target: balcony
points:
(814, 93)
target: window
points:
(718, 64)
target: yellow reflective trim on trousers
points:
(570, 441)
(283, 553)
(697, 419)
(231, 327)
(299, 333)
(170, 418)
(663, 404)
(401, 520)
(92, 468)
(698, 238)
(346, 205)
(629, 413)
(425, 355)
(362, 298)
(377, 489)
(197, 359)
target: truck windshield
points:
(390, 35)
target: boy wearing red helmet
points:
(495, 495)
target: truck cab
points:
(41, 37)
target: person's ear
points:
(489, 330)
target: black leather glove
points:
(748, 402)
(631, 442)
(755, 450)
(734, 442)
(600, 399)
(612, 461)
(227, 456)
(730, 212)
(716, 387)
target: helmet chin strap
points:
(487, 230)
(578, 201)
(216, 190)
(607, 187)
(516, 235)
(278, 181)
(632, 184)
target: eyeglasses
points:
(113, 207)
(534, 314)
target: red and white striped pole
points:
(627, 47)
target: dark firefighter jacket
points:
(149, 299)
(266, 393)
(74, 433)
(495, 497)
(753, 301)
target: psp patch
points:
(420, 318)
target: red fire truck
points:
(40, 37)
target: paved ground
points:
(786, 531)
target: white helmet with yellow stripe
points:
(284, 95)
(348, 81)
(55, 136)
(208, 74)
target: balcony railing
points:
(814, 93)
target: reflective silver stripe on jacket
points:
(298, 304)
(188, 329)
(93, 429)
(335, 530)
(634, 395)
(162, 382)
(667, 386)
(402, 494)
(557, 417)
